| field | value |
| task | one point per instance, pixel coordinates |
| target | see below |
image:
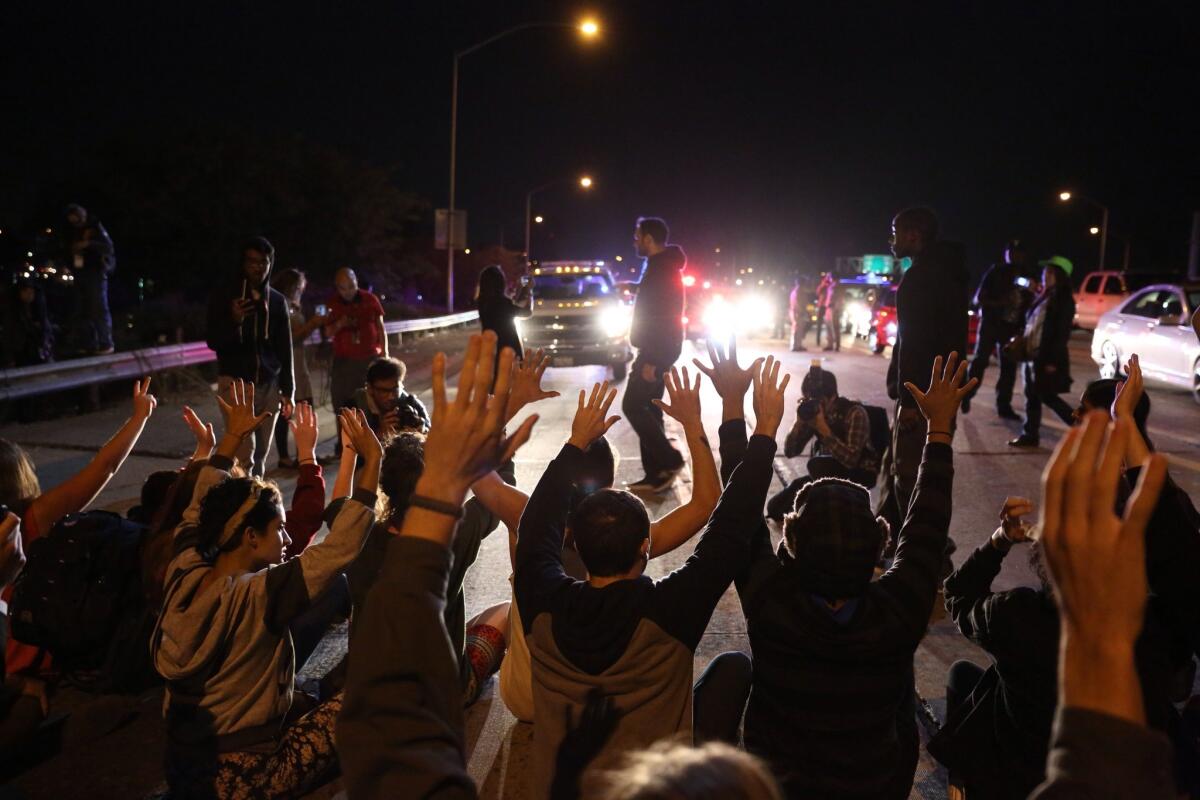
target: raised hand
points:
(144, 403)
(941, 401)
(362, 438)
(769, 393)
(1097, 562)
(730, 380)
(305, 428)
(591, 418)
(684, 397)
(527, 383)
(1012, 527)
(238, 410)
(466, 438)
(1129, 392)
(206, 437)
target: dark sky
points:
(786, 139)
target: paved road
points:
(986, 471)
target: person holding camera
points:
(842, 431)
(389, 409)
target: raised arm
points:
(506, 502)
(400, 733)
(80, 489)
(731, 383)
(304, 518)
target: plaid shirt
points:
(849, 441)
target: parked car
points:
(883, 323)
(1103, 291)
(1155, 323)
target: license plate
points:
(562, 361)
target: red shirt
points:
(361, 339)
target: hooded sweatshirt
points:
(225, 649)
(657, 330)
(931, 313)
(260, 349)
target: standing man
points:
(1000, 305)
(931, 311)
(93, 260)
(251, 333)
(798, 310)
(657, 333)
(356, 324)
(822, 296)
(832, 302)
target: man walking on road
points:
(249, 330)
(931, 311)
(1000, 307)
(93, 261)
(356, 323)
(657, 333)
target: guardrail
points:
(61, 375)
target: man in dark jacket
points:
(1000, 307)
(657, 333)
(93, 261)
(931, 319)
(248, 329)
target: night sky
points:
(787, 140)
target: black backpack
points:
(881, 431)
(80, 598)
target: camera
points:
(808, 408)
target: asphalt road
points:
(986, 471)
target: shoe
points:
(103, 351)
(654, 484)
(1023, 441)
(288, 463)
(1006, 412)
(827, 349)
(800, 349)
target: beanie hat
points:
(833, 538)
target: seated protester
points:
(223, 642)
(389, 408)
(832, 707)
(597, 470)
(1096, 561)
(22, 699)
(39, 511)
(620, 633)
(842, 431)
(671, 771)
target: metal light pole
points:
(585, 182)
(587, 28)
(1067, 196)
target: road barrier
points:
(61, 375)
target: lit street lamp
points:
(1067, 196)
(587, 28)
(585, 183)
(1124, 240)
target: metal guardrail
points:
(58, 376)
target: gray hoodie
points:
(226, 650)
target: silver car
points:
(1154, 323)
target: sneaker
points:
(1023, 441)
(1006, 412)
(654, 484)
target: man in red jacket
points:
(356, 324)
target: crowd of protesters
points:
(240, 584)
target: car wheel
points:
(620, 370)
(1110, 364)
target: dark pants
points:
(309, 628)
(820, 322)
(719, 698)
(658, 456)
(95, 321)
(960, 682)
(908, 450)
(1039, 390)
(992, 338)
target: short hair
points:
(608, 527)
(920, 219)
(819, 383)
(674, 771)
(655, 228)
(261, 245)
(1101, 393)
(155, 491)
(385, 368)
(598, 467)
(287, 281)
(403, 463)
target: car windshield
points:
(572, 287)
(1193, 296)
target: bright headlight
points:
(755, 311)
(615, 321)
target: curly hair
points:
(223, 501)
(403, 463)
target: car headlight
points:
(615, 321)
(754, 312)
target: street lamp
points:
(539, 219)
(1124, 241)
(585, 183)
(1067, 196)
(1093, 230)
(587, 29)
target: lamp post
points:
(1124, 241)
(1067, 196)
(588, 29)
(585, 182)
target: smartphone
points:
(322, 310)
(1023, 283)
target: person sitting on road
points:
(236, 726)
(832, 707)
(388, 407)
(843, 446)
(621, 634)
(596, 470)
(23, 703)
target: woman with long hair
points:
(1047, 360)
(498, 312)
(291, 283)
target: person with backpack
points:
(236, 726)
(39, 511)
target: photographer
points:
(843, 439)
(388, 407)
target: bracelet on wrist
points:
(939, 433)
(436, 506)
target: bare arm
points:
(81, 488)
(686, 521)
(506, 502)
(345, 477)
